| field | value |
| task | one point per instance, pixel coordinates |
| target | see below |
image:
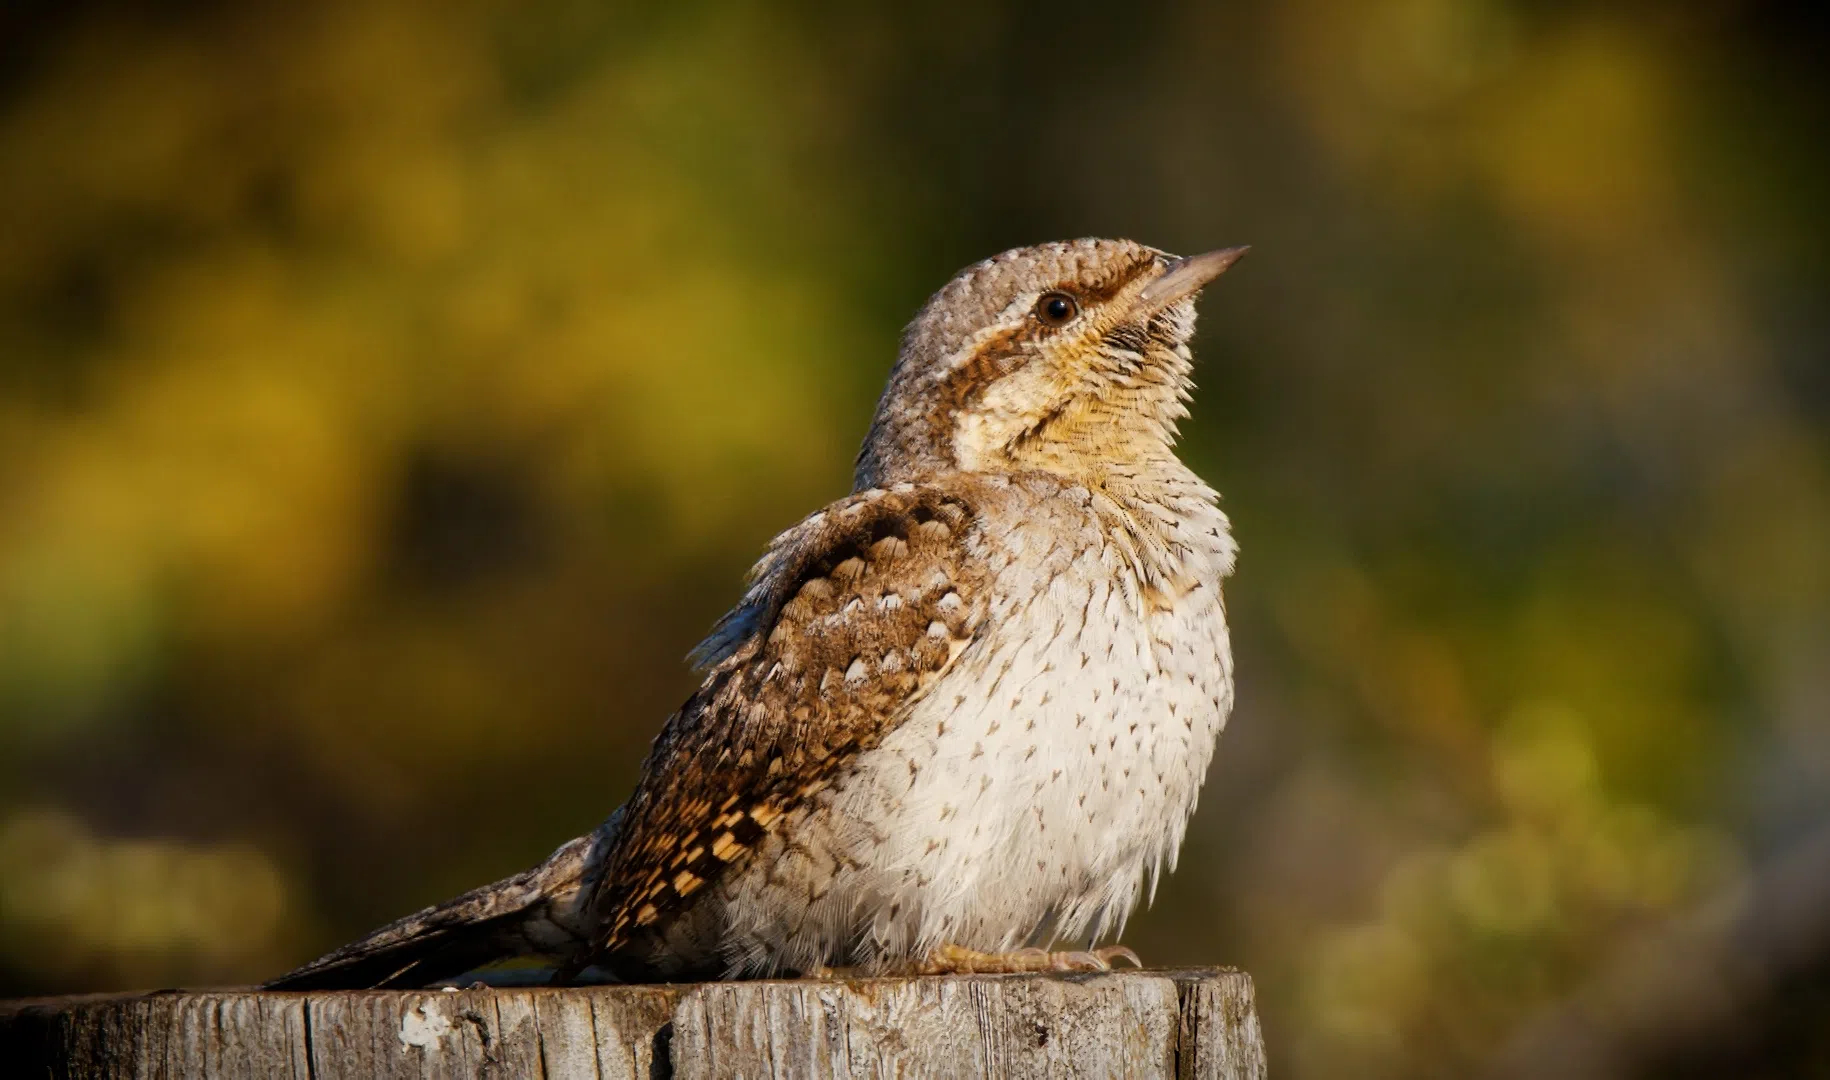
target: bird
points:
(957, 717)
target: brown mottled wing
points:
(853, 615)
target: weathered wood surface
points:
(1195, 1023)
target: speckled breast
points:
(1041, 785)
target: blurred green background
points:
(392, 393)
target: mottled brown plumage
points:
(855, 614)
(963, 710)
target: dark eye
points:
(1056, 309)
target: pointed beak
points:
(1186, 276)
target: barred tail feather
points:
(539, 912)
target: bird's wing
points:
(853, 615)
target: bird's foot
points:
(959, 960)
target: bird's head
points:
(1068, 357)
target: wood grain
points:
(1195, 1023)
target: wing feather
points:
(850, 618)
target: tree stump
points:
(1194, 1023)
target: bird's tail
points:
(539, 912)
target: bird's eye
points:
(1056, 309)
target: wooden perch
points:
(1195, 1023)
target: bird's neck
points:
(1166, 519)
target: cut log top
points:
(1193, 1023)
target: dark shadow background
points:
(392, 393)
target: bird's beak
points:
(1186, 276)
